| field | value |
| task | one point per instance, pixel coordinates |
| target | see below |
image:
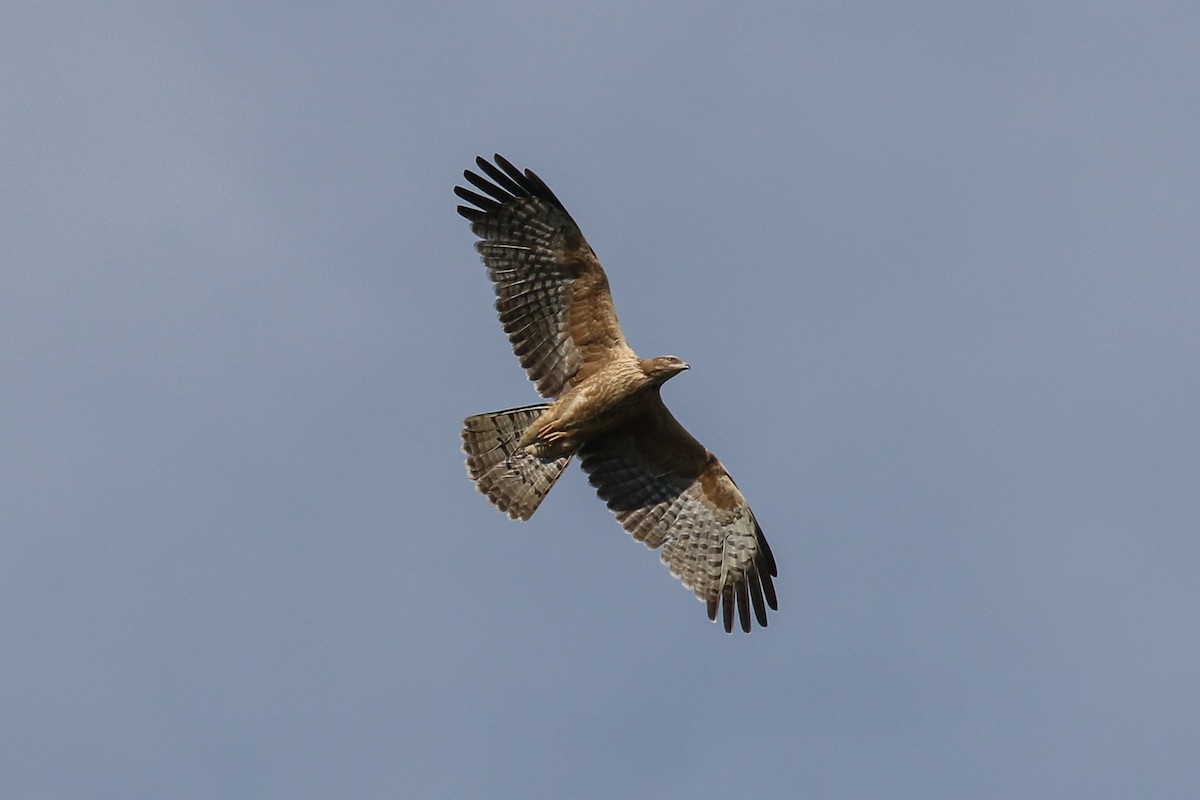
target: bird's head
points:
(663, 368)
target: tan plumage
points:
(665, 488)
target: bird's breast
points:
(606, 399)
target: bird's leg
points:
(550, 442)
(550, 436)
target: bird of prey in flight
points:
(665, 488)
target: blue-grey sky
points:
(935, 267)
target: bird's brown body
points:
(604, 400)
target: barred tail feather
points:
(513, 480)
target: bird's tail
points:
(515, 481)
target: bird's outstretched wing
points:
(668, 491)
(551, 292)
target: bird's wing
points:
(668, 491)
(551, 292)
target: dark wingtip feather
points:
(767, 558)
(540, 189)
(743, 607)
(727, 607)
(484, 203)
(506, 165)
(487, 187)
(756, 596)
(769, 591)
(502, 180)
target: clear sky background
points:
(936, 268)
